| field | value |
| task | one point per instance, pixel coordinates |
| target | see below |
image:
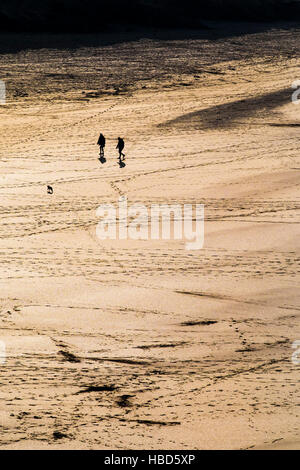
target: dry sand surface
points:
(143, 344)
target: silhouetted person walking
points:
(120, 147)
(101, 142)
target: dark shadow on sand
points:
(230, 114)
(293, 124)
(11, 43)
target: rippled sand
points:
(143, 344)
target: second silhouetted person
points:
(120, 147)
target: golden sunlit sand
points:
(143, 344)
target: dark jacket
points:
(101, 140)
(121, 144)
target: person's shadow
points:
(121, 163)
(102, 159)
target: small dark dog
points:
(49, 189)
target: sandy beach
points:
(142, 344)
